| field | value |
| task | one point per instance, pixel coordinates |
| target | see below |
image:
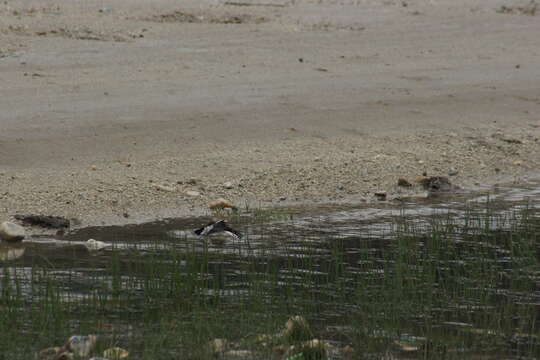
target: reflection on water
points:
(452, 275)
(10, 252)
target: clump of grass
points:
(441, 286)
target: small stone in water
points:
(115, 353)
(218, 346)
(92, 244)
(11, 232)
(221, 204)
(81, 346)
(164, 188)
(311, 349)
(406, 347)
(297, 329)
(48, 353)
(242, 354)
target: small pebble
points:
(164, 188)
(403, 182)
(192, 193)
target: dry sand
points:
(112, 110)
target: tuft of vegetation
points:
(441, 286)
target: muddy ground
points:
(115, 111)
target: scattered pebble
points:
(116, 353)
(92, 244)
(406, 347)
(380, 195)
(218, 346)
(436, 183)
(403, 182)
(79, 346)
(192, 193)
(297, 329)
(221, 204)
(452, 172)
(164, 188)
(228, 185)
(311, 349)
(239, 354)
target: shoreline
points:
(126, 193)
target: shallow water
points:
(453, 276)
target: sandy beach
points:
(122, 111)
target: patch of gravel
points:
(350, 169)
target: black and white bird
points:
(217, 227)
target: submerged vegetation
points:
(442, 286)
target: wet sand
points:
(112, 112)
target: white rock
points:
(218, 346)
(228, 185)
(81, 346)
(11, 232)
(165, 188)
(192, 193)
(116, 353)
(92, 244)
